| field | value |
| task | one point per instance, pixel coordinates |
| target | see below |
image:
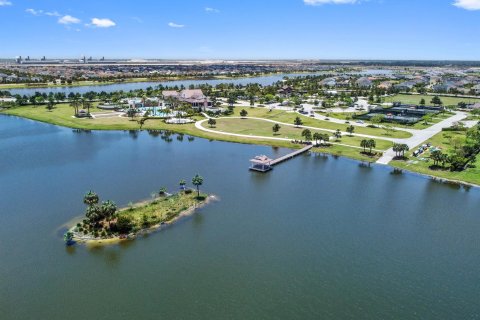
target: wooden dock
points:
(264, 164)
(291, 155)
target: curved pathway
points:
(311, 128)
(199, 126)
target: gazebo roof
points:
(261, 159)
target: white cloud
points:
(175, 25)
(34, 12)
(467, 4)
(43, 13)
(320, 2)
(53, 14)
(103, 23)
(68, 20)
(4, 3)
(211, 10)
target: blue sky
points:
(246, 29)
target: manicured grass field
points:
(415, 99)
(264, 128)
(289, 117)
(444, 141)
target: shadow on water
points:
(365, 165)
(396, 172)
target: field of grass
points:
(415, 99)
(264, 128)
(162, 209)
(444, 141)
(289, 117)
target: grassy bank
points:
(422, 164)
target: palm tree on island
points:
(182, 184)
(197, 181)
(90, 198)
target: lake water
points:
(316, 238)
(263, 80)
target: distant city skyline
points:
(215, 29)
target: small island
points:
(105, 223)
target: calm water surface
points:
(263, 80)
(316, 238)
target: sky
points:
(245, 29)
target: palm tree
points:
(307, 134)
(162, 191)
(243, 113)
(108, 209)
(350, 130)
(317, 136)
(364, 145)
(197, 181)
(436, 156)
(86, 105)
(75, 104)
(90, 198)
(337, 134)
(182, 184)
(93, 214)
(50, 103)
(371, 144)
(68, 237)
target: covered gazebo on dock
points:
(261, 163)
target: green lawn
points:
(264, 128)
(289, 117)
(443, 140)
(162, 209)
(415, 99)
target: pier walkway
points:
(264, 164)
